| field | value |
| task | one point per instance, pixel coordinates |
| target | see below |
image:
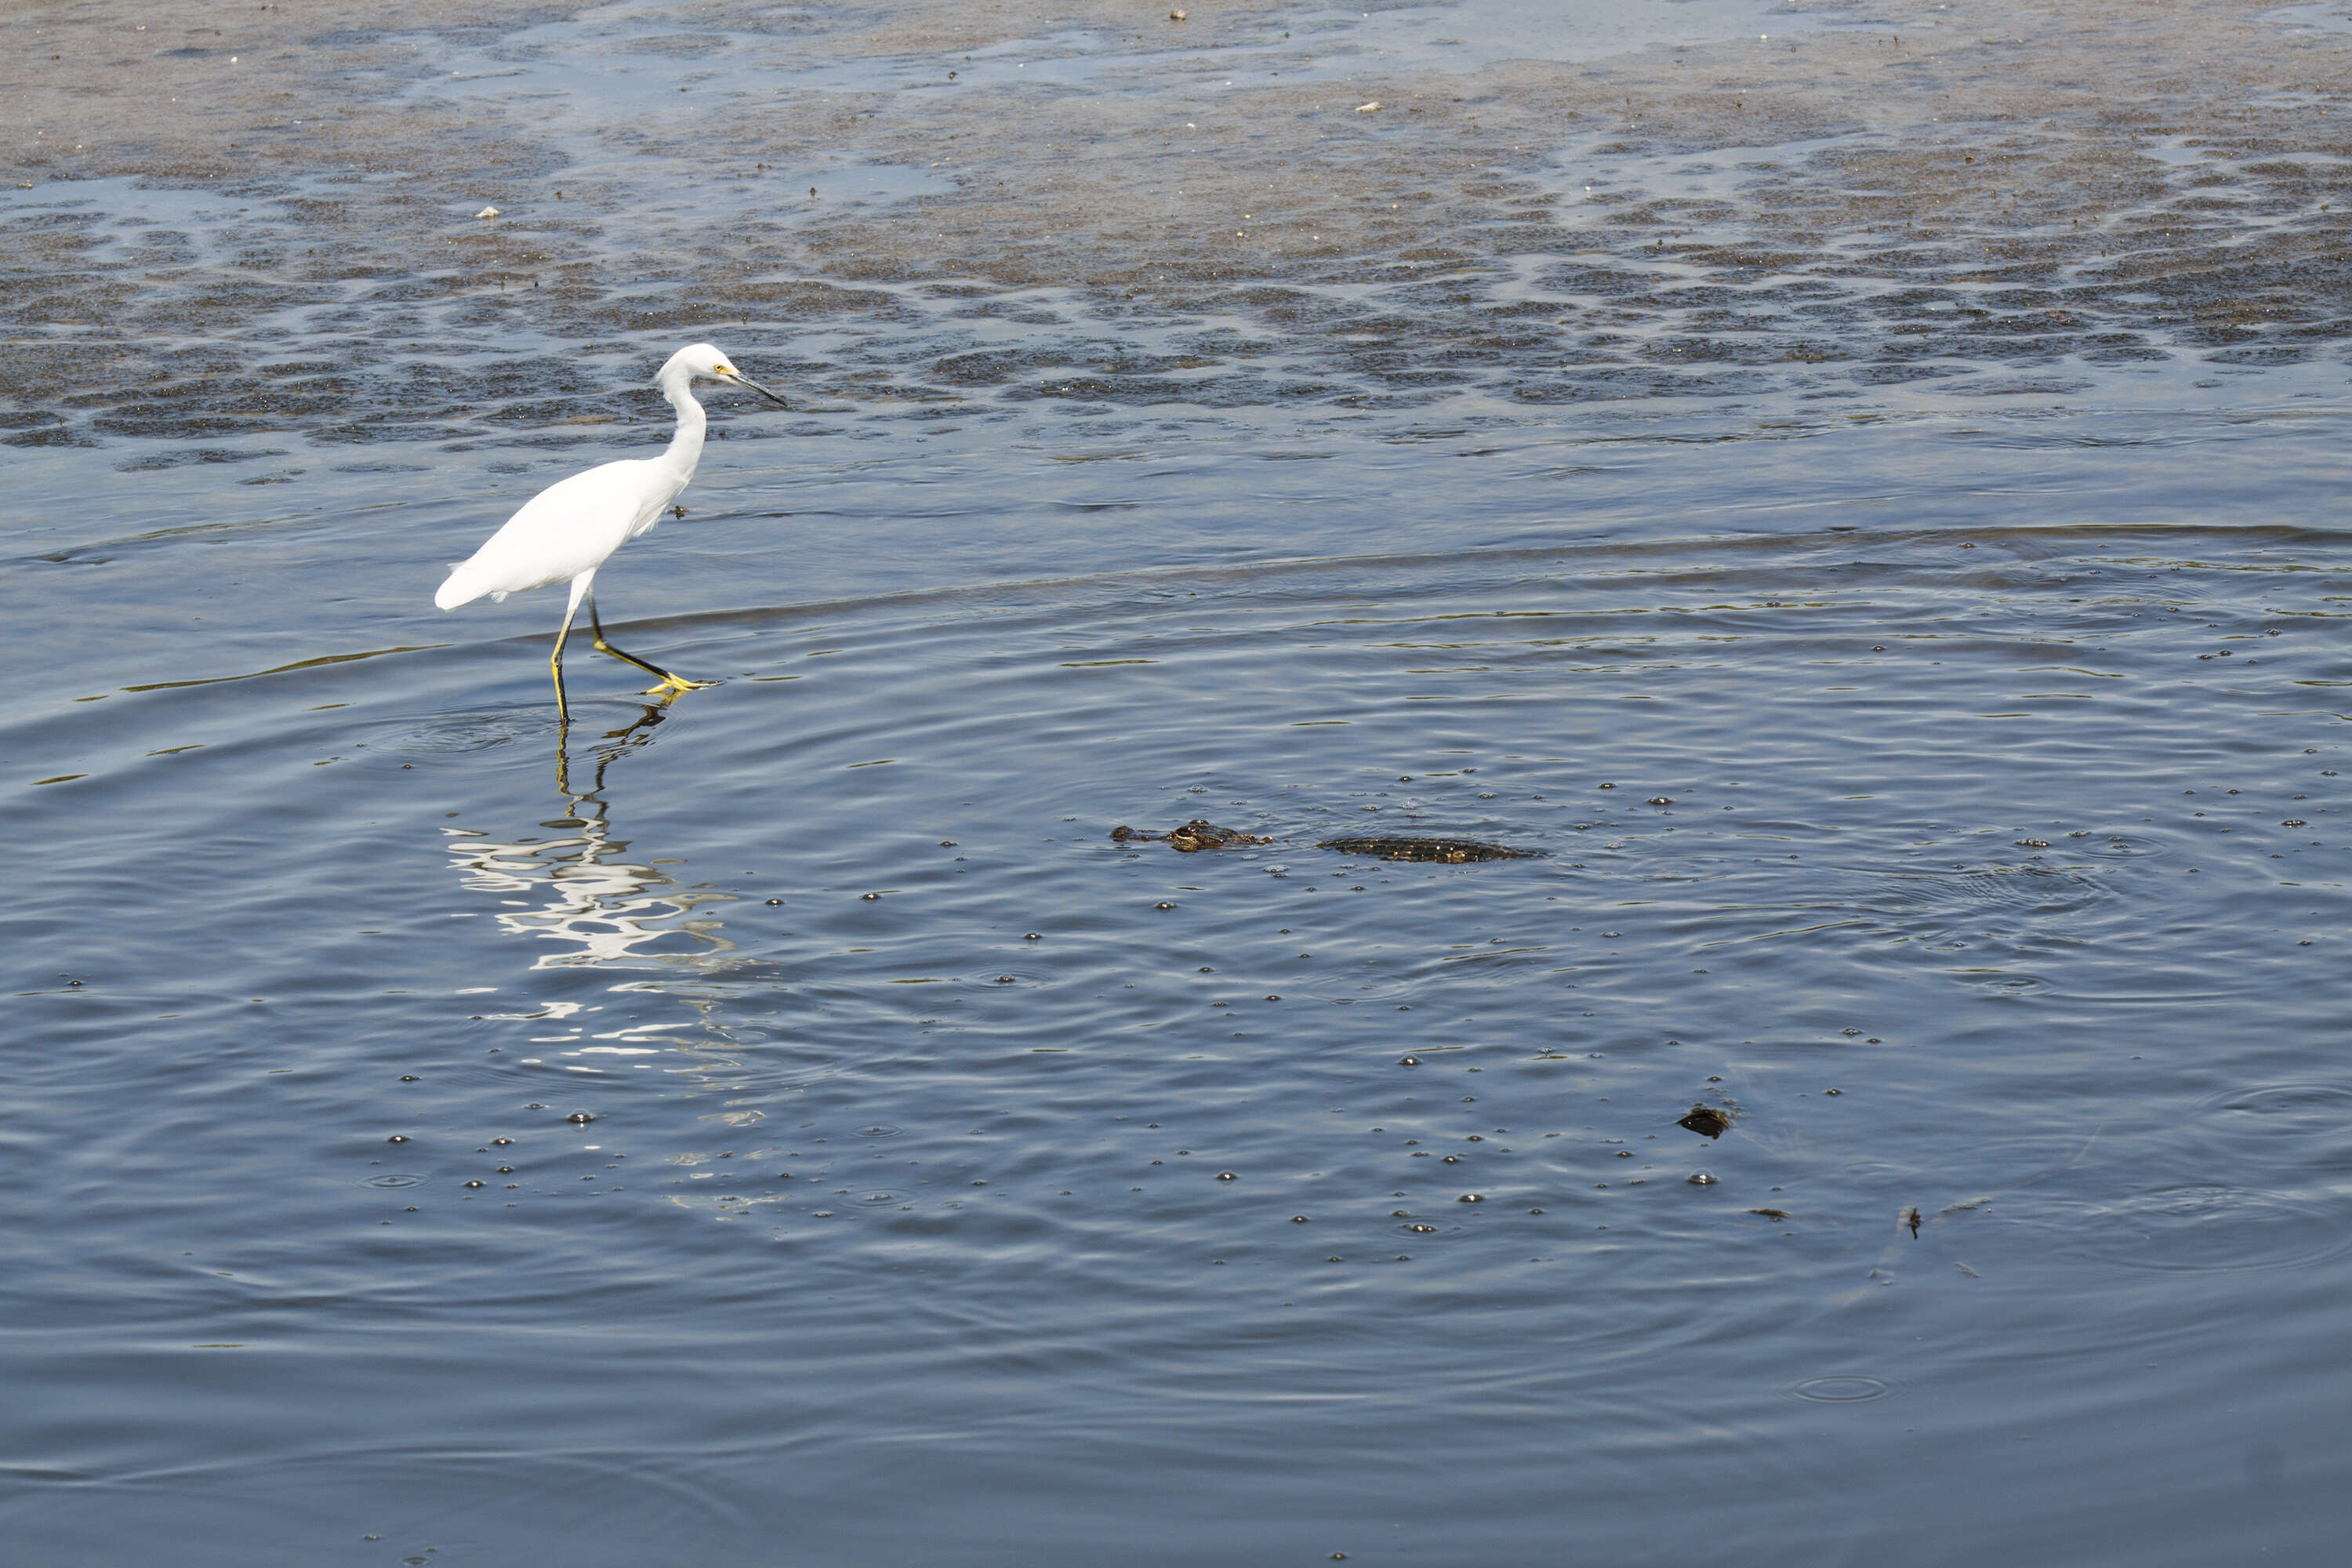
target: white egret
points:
(572, 527)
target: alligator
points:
(1450, 851)
(1196, 835)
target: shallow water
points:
(1938, 774)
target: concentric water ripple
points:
(2207, 1227)
(1844, 1388)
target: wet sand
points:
(1728, 216)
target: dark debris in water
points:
(1706, 1121)
(1449, 851)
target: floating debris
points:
(1193, 836)
(1700, 1179)
(1771, 1214)
(488, 212)
(1706, 1121)
(1449, 851)
(1911, 1218)
(1372, 108)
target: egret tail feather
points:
(460, 587)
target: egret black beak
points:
(739, 379)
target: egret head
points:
(702, 361)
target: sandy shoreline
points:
(1986, 143)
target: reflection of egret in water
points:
(578, 889)
(605, 908)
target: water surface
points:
(1914, 645)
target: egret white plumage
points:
(571, 528)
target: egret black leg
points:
(668, 683)
(555, 662)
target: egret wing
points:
(570, 527)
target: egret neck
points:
(685, 449)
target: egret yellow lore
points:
(571, 528)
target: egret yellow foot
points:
(671, 685)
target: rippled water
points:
(1938, 775)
